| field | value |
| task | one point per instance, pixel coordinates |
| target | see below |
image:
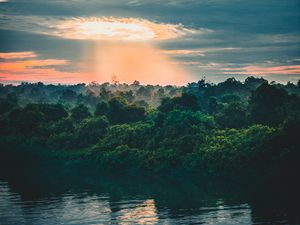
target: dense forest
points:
(229, 129)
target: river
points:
(65, 200)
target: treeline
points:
(225, 129)
(89, 95)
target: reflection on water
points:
(85, 208)
(138, 212)
(101, 208)
(110, 205)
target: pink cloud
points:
(25, 66)
(275, 70)
(182, 52)
(20, 66)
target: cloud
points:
(273, 70)
(20, 66)
(26, 66)
(99, 28)
(189, 52)
(111, 28)
(258, 70)
(162, 3)
(17, 55)
(202, 36)
(196, 52)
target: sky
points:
(154, 42)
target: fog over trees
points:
(228, 129)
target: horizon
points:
(141, 84)
(159, 42)
(145, 84)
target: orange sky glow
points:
(122, 51)
(101, 62)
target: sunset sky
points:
(155, 42)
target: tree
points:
(102, 108)
(27, 120)
(144, 91)
(90, 131)
(133, 135)
(254, 82)
(8, 103)
(229, 85)
(51, 112)
(80, 112)
(213, 105)
(232, 115)
(184, 102)
(104, 94)
(267, 104)
(136, 83)
(181, 130)
(120, 112)
(68, 95)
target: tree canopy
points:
(220, 129)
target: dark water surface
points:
(49, 192)
(46, 200)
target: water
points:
(43, 201)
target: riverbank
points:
(19, 160)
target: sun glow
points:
(125, 31)
(126, 62)
(123, 49)
(117, 49)
(111, 28)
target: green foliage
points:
(102, 108)
(213, 105)
(226, 129)
(184, 102)
(25, 120)
(8, 104)
(232, 115)
(230, 151)
(80, 112)
(51, 112)
(132, 135)
(179, 123)
(268, 104)
(123, 158)
(120, 112)
(89, 131)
